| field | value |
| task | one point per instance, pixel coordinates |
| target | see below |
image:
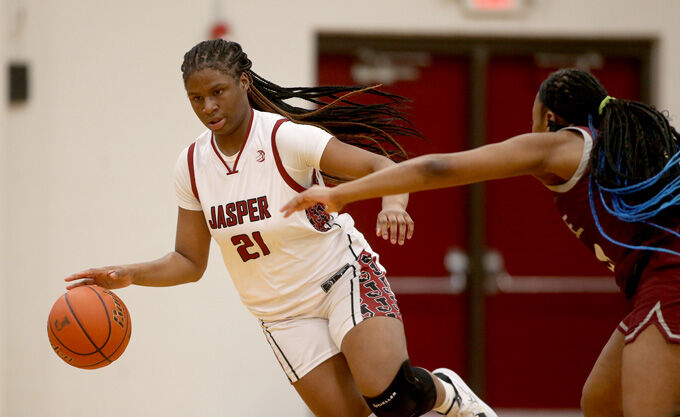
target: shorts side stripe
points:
(656, 310)
(282, 354)
(350, 247)
(351, 294)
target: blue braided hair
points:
(635, 161)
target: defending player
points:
(617, 186)
(320, 293)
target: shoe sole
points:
(460, 384)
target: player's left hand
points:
(395, 224)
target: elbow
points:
(196, 274)
(435, 167)
(194, 277)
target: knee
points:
(411, 393)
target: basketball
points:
(89, 327)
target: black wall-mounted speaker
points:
(18, 83)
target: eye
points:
(196, 99)
(218, 92)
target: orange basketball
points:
(89, 327)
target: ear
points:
(244, 81)
(550, 116)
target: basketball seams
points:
(106, 311)
(108, 351)
(128, 331)
(83, 328)
(62, 345)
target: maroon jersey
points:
(628, 265)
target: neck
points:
(230, 143)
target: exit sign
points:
(496, 6)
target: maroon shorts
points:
(656, 302)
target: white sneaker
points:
(466, 403)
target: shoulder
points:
(201, 141)
(301, 131)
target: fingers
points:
(298, 203)
(291, 206)
(88, 273)
(104, 277)
(395, 226)
(407, 229)
(80, 283)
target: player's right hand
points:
(110, 277)
(310, 197)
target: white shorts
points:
(356, 292)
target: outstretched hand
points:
(310, 197)
(110, 277)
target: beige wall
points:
(3, 212)
(91, 160)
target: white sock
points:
(449, 396)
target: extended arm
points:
(544, 155)
(185, 264)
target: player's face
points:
(539, 117)
(219, 100)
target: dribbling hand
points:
(311, 196)
(110, 277)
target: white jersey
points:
(277, 264)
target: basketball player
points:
(616, 184)
(321, 295)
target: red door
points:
(439, 94)
(551, 340)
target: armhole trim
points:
(582, 166)
(190, 161)
(279, 165)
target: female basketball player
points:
(318, 289)
(618, 189)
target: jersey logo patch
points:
(318, 217)
(260, 156)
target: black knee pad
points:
(411, 393)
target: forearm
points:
(422, 173)
(399, 200)
(171, 269)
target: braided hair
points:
(634, 169)
(368, 126)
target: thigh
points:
(651, 375)
(602, 390)
(300, 344)
(329, 390)
(365, 321)
(375, 350)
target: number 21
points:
(243, 242)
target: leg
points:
(651, 376)
(313, 364)
(602, 391)
(376, 353)
(375, 349)
(329, 390)
(364, 321)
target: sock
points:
(449, 396)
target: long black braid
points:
(369, 126)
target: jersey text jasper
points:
(231, 214)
